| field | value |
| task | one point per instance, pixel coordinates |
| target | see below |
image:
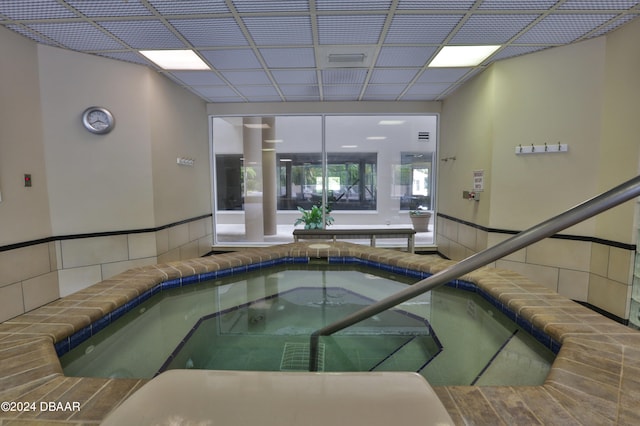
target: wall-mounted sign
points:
(478, 180)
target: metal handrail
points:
(605, 201)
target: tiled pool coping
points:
(65, 345)
(594, 379)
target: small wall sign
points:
(478, 180)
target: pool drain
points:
(295, 357)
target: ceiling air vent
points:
(346, 57)
(423, 136)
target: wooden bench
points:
(371, 233)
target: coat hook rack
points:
(445, 159)
(542, 149)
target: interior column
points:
(252, 151)
(269, 177)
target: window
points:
(415, 182)
(377, 168)
(350, 181)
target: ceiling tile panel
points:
(34, 9)
(284, 77)
(517, 4)
(258, 43)
(512, 51)
(218, 94)
(342, 92)
(435, 4)
(414, 29)
(109, 8)
(404, 56)
(385, 89)
(492, 29)
(298, 90)
(298, 57)
(612, 26)
(428, 89)
(198, 78)
(251, 6)
(351, 29)
(620, 5)
(144, 34)
(303, 98)
(134, 57)
(561, 28)
(246, 77)
(215, 32)
(228, 59)
(259, 91)
(344, 76)
(442, 75)
(411, 97)
(391, 76)
(33, 35)
(353, 5)
(190, 7)
(378, 97)
(279, 30)
(78, 36)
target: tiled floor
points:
(594, 379)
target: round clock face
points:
(98, 120)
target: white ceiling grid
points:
(277, 51)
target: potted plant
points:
(420, 219)
(312, 218)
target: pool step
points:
(295, 357)
(410, 356)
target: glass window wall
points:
(371, 171)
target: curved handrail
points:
(605, 201)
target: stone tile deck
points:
(595, 378)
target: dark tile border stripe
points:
(98, 234)
(583, 238)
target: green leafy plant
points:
(312, 219)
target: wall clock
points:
(98, 120)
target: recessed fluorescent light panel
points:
(257, 126)
(462, 56)
(390, 122)
(376, 138)
(175, 59)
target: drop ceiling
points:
(314, 50)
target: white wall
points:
(547, 97)
(28, 276)
(24, 212)
(584, 95)
(179, 128)
(619, 153)
(127, 180)
(96, 182)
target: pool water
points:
(262, 321)
(273, 335)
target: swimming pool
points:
(261, 320)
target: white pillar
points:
(252, 152)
